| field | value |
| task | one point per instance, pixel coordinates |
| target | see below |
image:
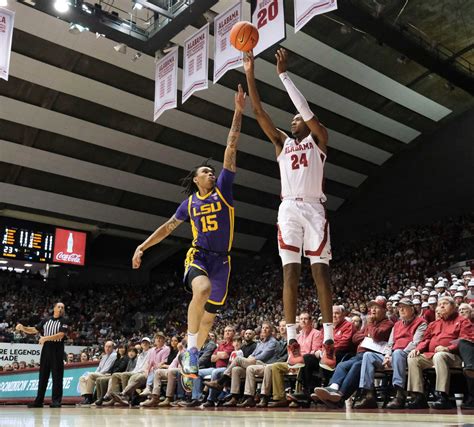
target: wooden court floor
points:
(69, 416)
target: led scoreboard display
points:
(30, 241)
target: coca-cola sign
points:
(69, 247)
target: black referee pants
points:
(51, 361)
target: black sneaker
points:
(35, 405)
(55, 405)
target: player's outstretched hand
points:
(249, 62)
(19, 327)
(282, 59)
(240, 97)
(137, 258)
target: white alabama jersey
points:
(302, 169)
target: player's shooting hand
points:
(137, 258)
(240, 97)
(249, 62)
(282, 59)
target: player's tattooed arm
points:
(230, 155)
(156, 237)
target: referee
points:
(53, 331)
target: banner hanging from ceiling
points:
(269, 17)
(226, 56)
(7, 19)
(305, 10)
(166, 83)
(195, 62)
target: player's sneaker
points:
(328, 358)
(295, 358)
(189, 361)
(187, 383)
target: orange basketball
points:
(244, 36)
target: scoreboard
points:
(30, 241)
(26, 241)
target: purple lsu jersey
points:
(211, 216)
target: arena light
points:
(121, 48)
(62, 6)
(2, 261)
(137, 6)
(28, 265)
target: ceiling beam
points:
(397, 39)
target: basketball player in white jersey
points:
(302, 225)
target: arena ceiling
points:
(78, 145)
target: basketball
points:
(244, 36)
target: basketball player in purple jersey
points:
(210, 211)
(302, 223)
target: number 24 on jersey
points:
(297, 161)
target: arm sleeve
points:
(465, 332)
(267, 351)
(64, 327)
(388, 350)
(182, 211)
(224, 184)
(423, 345)
(39, 326)
(382, 331)
(299, 101)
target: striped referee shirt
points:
(52, 326)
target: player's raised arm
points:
(318, 131)
(230, 153)
(276, 136)
(158, 235)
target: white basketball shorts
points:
(302, 226)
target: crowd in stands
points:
(398, 312)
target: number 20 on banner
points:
(268, 13)
(268, 17)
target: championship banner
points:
(305, 10)
(269, 17)
(226, 56)
(7, 18)
(166, 83)
(195, 62)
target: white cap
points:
(416, 301)
(407, 294)
(467, 273)
(396, 297)
(425, 305)
(445, 280)
(461, 289)
(440, 278)
(425, 292)
(459, 294)
(400, 292)
(431, 280)
(416, 294)
(429, 285)
(453, 288)
(433, 293)
(440, 285)
(413, 288)
(453, 276)
(432, 300)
